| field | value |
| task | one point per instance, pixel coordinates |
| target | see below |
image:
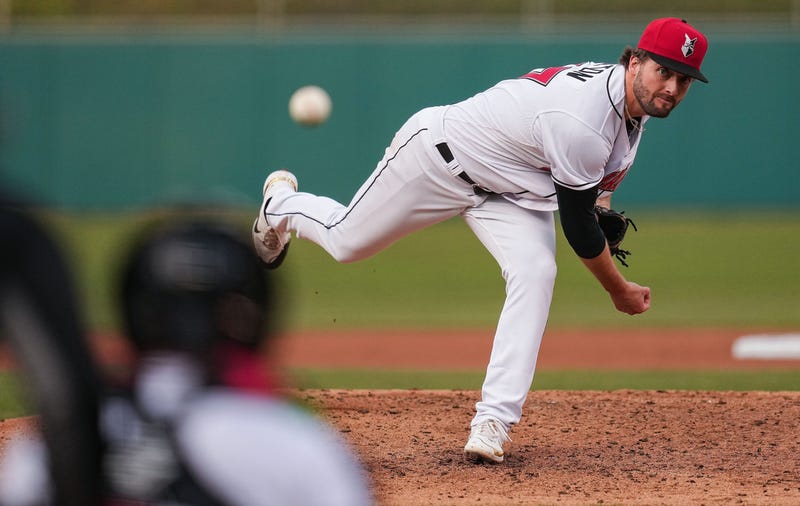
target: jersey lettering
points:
(588, 72)
(581, 73)
(544, 76)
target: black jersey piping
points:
(608, 92)
(575, 186)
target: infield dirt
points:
(621, 447)
(582, 447)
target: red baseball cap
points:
(675, 44)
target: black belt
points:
(448, 157)
(444, 150)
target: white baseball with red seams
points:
(310, 105)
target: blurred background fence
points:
(352, 11)
(125, 104)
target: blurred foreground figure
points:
(199, 421)
(39, 321)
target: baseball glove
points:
(614, 225)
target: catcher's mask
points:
(189, 286)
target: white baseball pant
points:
(413, 187)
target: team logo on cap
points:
(688, 47)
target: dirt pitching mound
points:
(619, 447)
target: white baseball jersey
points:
(562, 124)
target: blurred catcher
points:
(199, 421)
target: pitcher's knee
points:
(539, 271)
(348, 253)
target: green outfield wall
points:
(131, 119)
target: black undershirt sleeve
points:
(576, 210)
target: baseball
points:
(310, 105)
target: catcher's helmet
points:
(190, 285)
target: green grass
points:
(13, 403)
(704, 269)
(726, 269)
(750, 380)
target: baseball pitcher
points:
(559, 138)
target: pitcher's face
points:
(657, 89)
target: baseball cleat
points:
(270, 244)
(486, 441)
